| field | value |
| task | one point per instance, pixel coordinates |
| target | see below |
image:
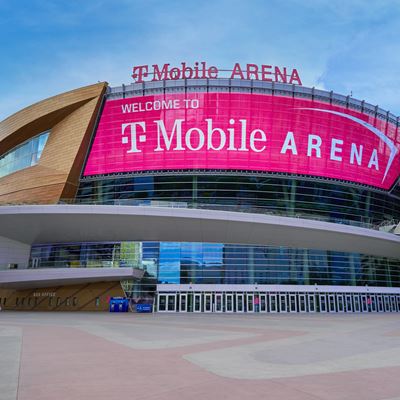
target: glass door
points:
(162, 303)
(263, 302)
(229, 302)
(197, 306)
(380, 302)
(171, 302)
(273, 303)
(311, 302)
(292, 302)
(218, 302)
(364, 303)
(182, 302)
(340, 303)
(349, 303)
(250, 302)
(208, 303)
(322, 303)
(373, 304)
(239, 302)
(331, 303)
(393, 303)
(302, 303)
(387, 303)
(283, 306)
(357, 306)
(398, 303)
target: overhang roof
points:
(87, 223)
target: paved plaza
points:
(100, 356)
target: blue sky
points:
(48, 47)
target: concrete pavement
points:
(111, 356)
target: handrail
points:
(241, 208)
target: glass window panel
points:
(24, 155)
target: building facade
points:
(201, 195)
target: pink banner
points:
(252, 132)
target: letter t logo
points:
(139, 72)
(132, 132)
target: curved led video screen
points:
(245, 132)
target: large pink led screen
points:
(246, 132)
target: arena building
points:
(201, 195)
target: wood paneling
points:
(83, 297)
(71, 117)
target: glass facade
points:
(24, 155)
(286, 196)
(213, 263)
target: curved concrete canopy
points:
(85, 223)
(46, 277)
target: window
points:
(24, 155)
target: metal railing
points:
(250, 86)
(384, 225)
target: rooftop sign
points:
(201, 70)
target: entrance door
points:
(340, 303)
(183, 302)
(302, 303)
(393, 303)
(292, 302)
(322, 303)
(357, 306)
(379, 302)
(197, 302)
(364, 303)
(171, 302)
(398, 303)
(239, 302)
(312, 307)
(250, 302)
(162, 303)
(373, 303)
(349, 303)
(283, 306)
(208, 304)
(331, 303)
(263, 303)
(273, 303)
(218, 302)
(229, 302)
(387, 303)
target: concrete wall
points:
(13, 252)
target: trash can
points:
(119, 304)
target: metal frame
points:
(197, 294)
(211, 303)
(242, 297)
(285, 302)
(183, 296)
(273, 300)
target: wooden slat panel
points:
(71, 117)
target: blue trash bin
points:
(119, 304)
